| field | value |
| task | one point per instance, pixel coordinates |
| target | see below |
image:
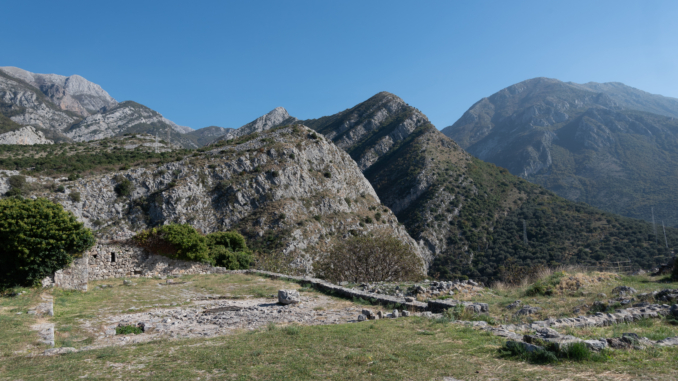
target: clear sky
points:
(224, 63)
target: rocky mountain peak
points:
(370, 129)
(274, 118)
(72, 93)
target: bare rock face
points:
(290, 194)
(73, 93)
(117, 120)
(24, 136)
(78, 108)
(386, 112)
(288, 297)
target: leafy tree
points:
(378, 258)
(37, 237)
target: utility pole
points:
(654, 227)
(524, 233)
(666, 241)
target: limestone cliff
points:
(24, 136)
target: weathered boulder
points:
(288, 297)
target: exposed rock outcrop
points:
(25, 136)
(125, 117)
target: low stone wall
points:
(118, 260)
(346, 292)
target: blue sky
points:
(225, 63)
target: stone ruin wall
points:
(122, 260)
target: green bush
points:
(17, 181)
(17, 186)
(124, 187)
(175, 241)
(37, 238)
(225, 249)
(230, 240)
(674, 274)
(128, 330)
(229, 249)
(60, 189)
(74, 196)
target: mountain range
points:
(294, 187)
(606, 144)
(468, 216)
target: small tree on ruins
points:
(378, 258)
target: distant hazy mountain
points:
(609, 145)
(74, 108)
(204, 136)
(468, 214)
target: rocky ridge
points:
(274, 118)
(126, 117)
(73, 93)
(290, 194)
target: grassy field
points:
(408, 348)
(413, 348)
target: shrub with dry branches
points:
(378, 258)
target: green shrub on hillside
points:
(175, 241)
(37, 238)
(379, 258)
(124, 187)
(17, 185)
(225, 249)
(74, 196)
(229, 249)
